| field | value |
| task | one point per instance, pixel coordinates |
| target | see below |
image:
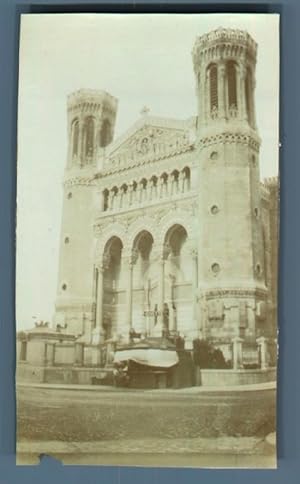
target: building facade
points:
(169, 228)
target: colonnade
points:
(128, 262)
(235, 92)
(146, 190)
(86, 135)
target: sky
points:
(139, 59)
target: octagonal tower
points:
(232, 287)
(91, 121)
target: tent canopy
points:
(155, 352)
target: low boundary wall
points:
(212, 377)
(85, 376)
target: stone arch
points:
(179, 218)
(118, 231)
(146, 224)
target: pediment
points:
(150, 140)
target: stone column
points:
(109, 200)
(117, 200)
(80, 153)
(202, 314)
(242, 92)
(129, 295)
(207, 98)
(95, 138)
(98, 332)
(133, 195)
(253, 85)
(237, 353)
(130, 194)
(161, 290)
(221, 90)
(121, 198)
(161, 295)
(172, 184)
(131, 260)
(195, 287)
(262, 344)
(161, 187)
(140, 189)
(181, 181)
(201, 98)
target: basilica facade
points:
(168, 229)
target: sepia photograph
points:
(147, 239)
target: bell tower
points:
(231, 271)
(91, 121)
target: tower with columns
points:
(230, 237)
(167, 229)
(91, 118)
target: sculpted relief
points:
(148, 143)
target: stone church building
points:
(168, 229)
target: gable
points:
(149, 140)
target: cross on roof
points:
(145, 110)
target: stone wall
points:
(234, 377)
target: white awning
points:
(148, 356)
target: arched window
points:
(187, 178)
(105, 199)
(231, 79)
(105, 134)
(75, 134)
(89, 136)
(213, 87)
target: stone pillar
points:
(237, 353)
(98, 332)
(253, 85)
(130, 261)
(195, 287)
(172, 184)
(117, 200)
(207, 98)
(181, 181)
(202, 314)
(129, 295)
(221, 90)
(201, 97)
(80, 142)
(242, 92)
(161, 187)
(79, 353)
(109, 200)
(95, 139)
(262, 344)
(161, 297)
(130, 194)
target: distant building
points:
(168, 228)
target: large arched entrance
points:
(142, 283)
(179, 270)
(108, 287)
